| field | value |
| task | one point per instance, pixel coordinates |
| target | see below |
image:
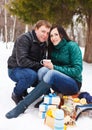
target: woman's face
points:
(54, 36)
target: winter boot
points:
(38, 91)
(38, 103)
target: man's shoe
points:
(25, 93)
(16, 98)
(38, 103)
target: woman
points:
(63, 74)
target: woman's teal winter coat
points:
(67, 58)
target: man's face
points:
(42, 33)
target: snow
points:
(30, 119)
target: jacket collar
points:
(61, 44)
(35, 39)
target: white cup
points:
(45, 60)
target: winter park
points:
(78, 25)
(31, 119)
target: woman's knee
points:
(42, 72)
(49, 76)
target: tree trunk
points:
(88, 47)
(13, 31)
(26, 28)
(6, 40)
(72, 30)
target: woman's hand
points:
(48, 64)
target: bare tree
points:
(5, 13)
(13, 29)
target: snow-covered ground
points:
(30, 119)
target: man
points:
(29, 49)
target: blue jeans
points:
(59, 82)
(24, 78)
(50, 78)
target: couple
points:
(63, 74)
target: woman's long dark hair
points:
(62, 34)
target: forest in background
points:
(18, 16)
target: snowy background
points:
(30, 120)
